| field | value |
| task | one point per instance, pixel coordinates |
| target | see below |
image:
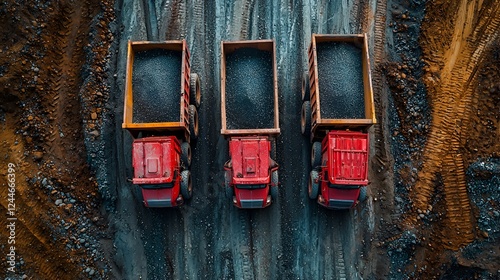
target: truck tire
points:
(186, 154)
(305, 118)
(195, 90)
(227, 179)
(229, 193)
(313, 185)
(274, 185)
(306, 90)
(193, 122)
(186, 185)
(362, 194)
(273, 149)
(228, 189)
(316, 154)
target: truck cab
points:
(340, 169)
(251, 175)
(159, 170)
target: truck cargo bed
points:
(341, 94)
(156, 83)
(157, 88)
(340, 74)
(249, 97)
(249, 87)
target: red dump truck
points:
(337, 112)
(250, 121)
(160, 112)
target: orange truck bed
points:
(149, 87)
(346, 51)
(249, 88)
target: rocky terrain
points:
(433, 210)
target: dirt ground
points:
(434, 205)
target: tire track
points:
(441, 154)
(175, 22)
(240, 19)
(380, 95)
(339, 260)
(34, 240)
(374, 22)
(62, 98)
(236, 243)
(38, 238)
(242, 245)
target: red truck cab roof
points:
(347, 157)
(155, 160)
(250, 159)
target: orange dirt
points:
(458, 40)
(44, 51)
(454, 50)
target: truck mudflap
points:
(335, 198)
(341, 204)
(161, 197)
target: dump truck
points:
(160, 112)
(337, 111)
(250, 121)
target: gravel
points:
(249, 89)
(340, 74)
(156, 85)
(483, 181)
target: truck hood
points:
(250, 160)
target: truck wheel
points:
(186, 184)
(228, 189)
(362, 194)
(316, 154)
(273, 149)
(227, 179)
(274, 186)
(305, 118)
(313, 185)
(229, 192)
(306, 90)
(186, 153)
(193, 122)
(195, 90)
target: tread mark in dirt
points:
(452, 100)
(242, 246)
(339, 259)
(151, 20)
(378, 81)
(177, 18)
(33, 235)
(241, 23)
(61, 82)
